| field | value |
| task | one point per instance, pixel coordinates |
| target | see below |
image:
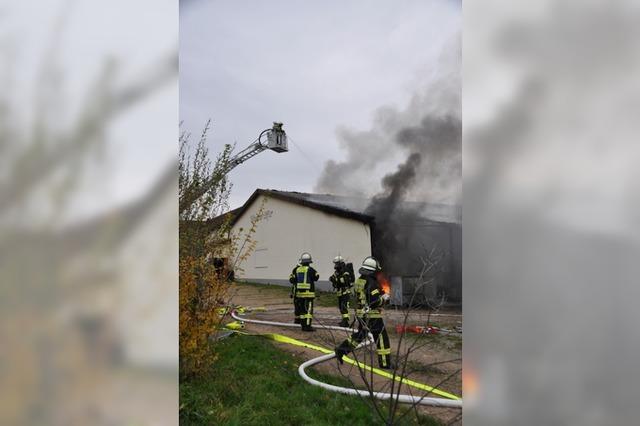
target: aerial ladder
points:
(274, 139)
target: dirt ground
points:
(434, 360)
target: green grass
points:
(255, 383)
(282, 290)
(323, 298)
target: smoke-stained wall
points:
(428, 249)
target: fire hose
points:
(411, 399)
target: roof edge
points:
(306, 203)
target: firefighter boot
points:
(342, 349)
(389, 365)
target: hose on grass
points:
(409, 399)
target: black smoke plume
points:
(424, 140)
(436, 139)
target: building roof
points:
(350, 207)
(432, 211)
(306, 200)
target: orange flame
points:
(384, 283)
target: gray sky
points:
(313, 65)
(134, 35)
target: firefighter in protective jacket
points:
(369, 298)
(342, 281)
(303, 277)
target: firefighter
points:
(369, 300)
(342, 281)
(303, 277)
(293, 280)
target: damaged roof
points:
(351, 207)
(434, 212)
(303, 199)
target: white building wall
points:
(290, 229)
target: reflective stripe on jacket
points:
(341, 282)
(368, 294)
(305, 277)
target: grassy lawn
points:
(323, 298)
(255, 383)
(276, 289)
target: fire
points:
(385, 285)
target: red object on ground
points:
(417, 329)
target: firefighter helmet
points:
(338, 259)
(305, 258)
(371, 264)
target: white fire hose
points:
(409, 399)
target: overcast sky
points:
(312, 65)
(133, 35)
